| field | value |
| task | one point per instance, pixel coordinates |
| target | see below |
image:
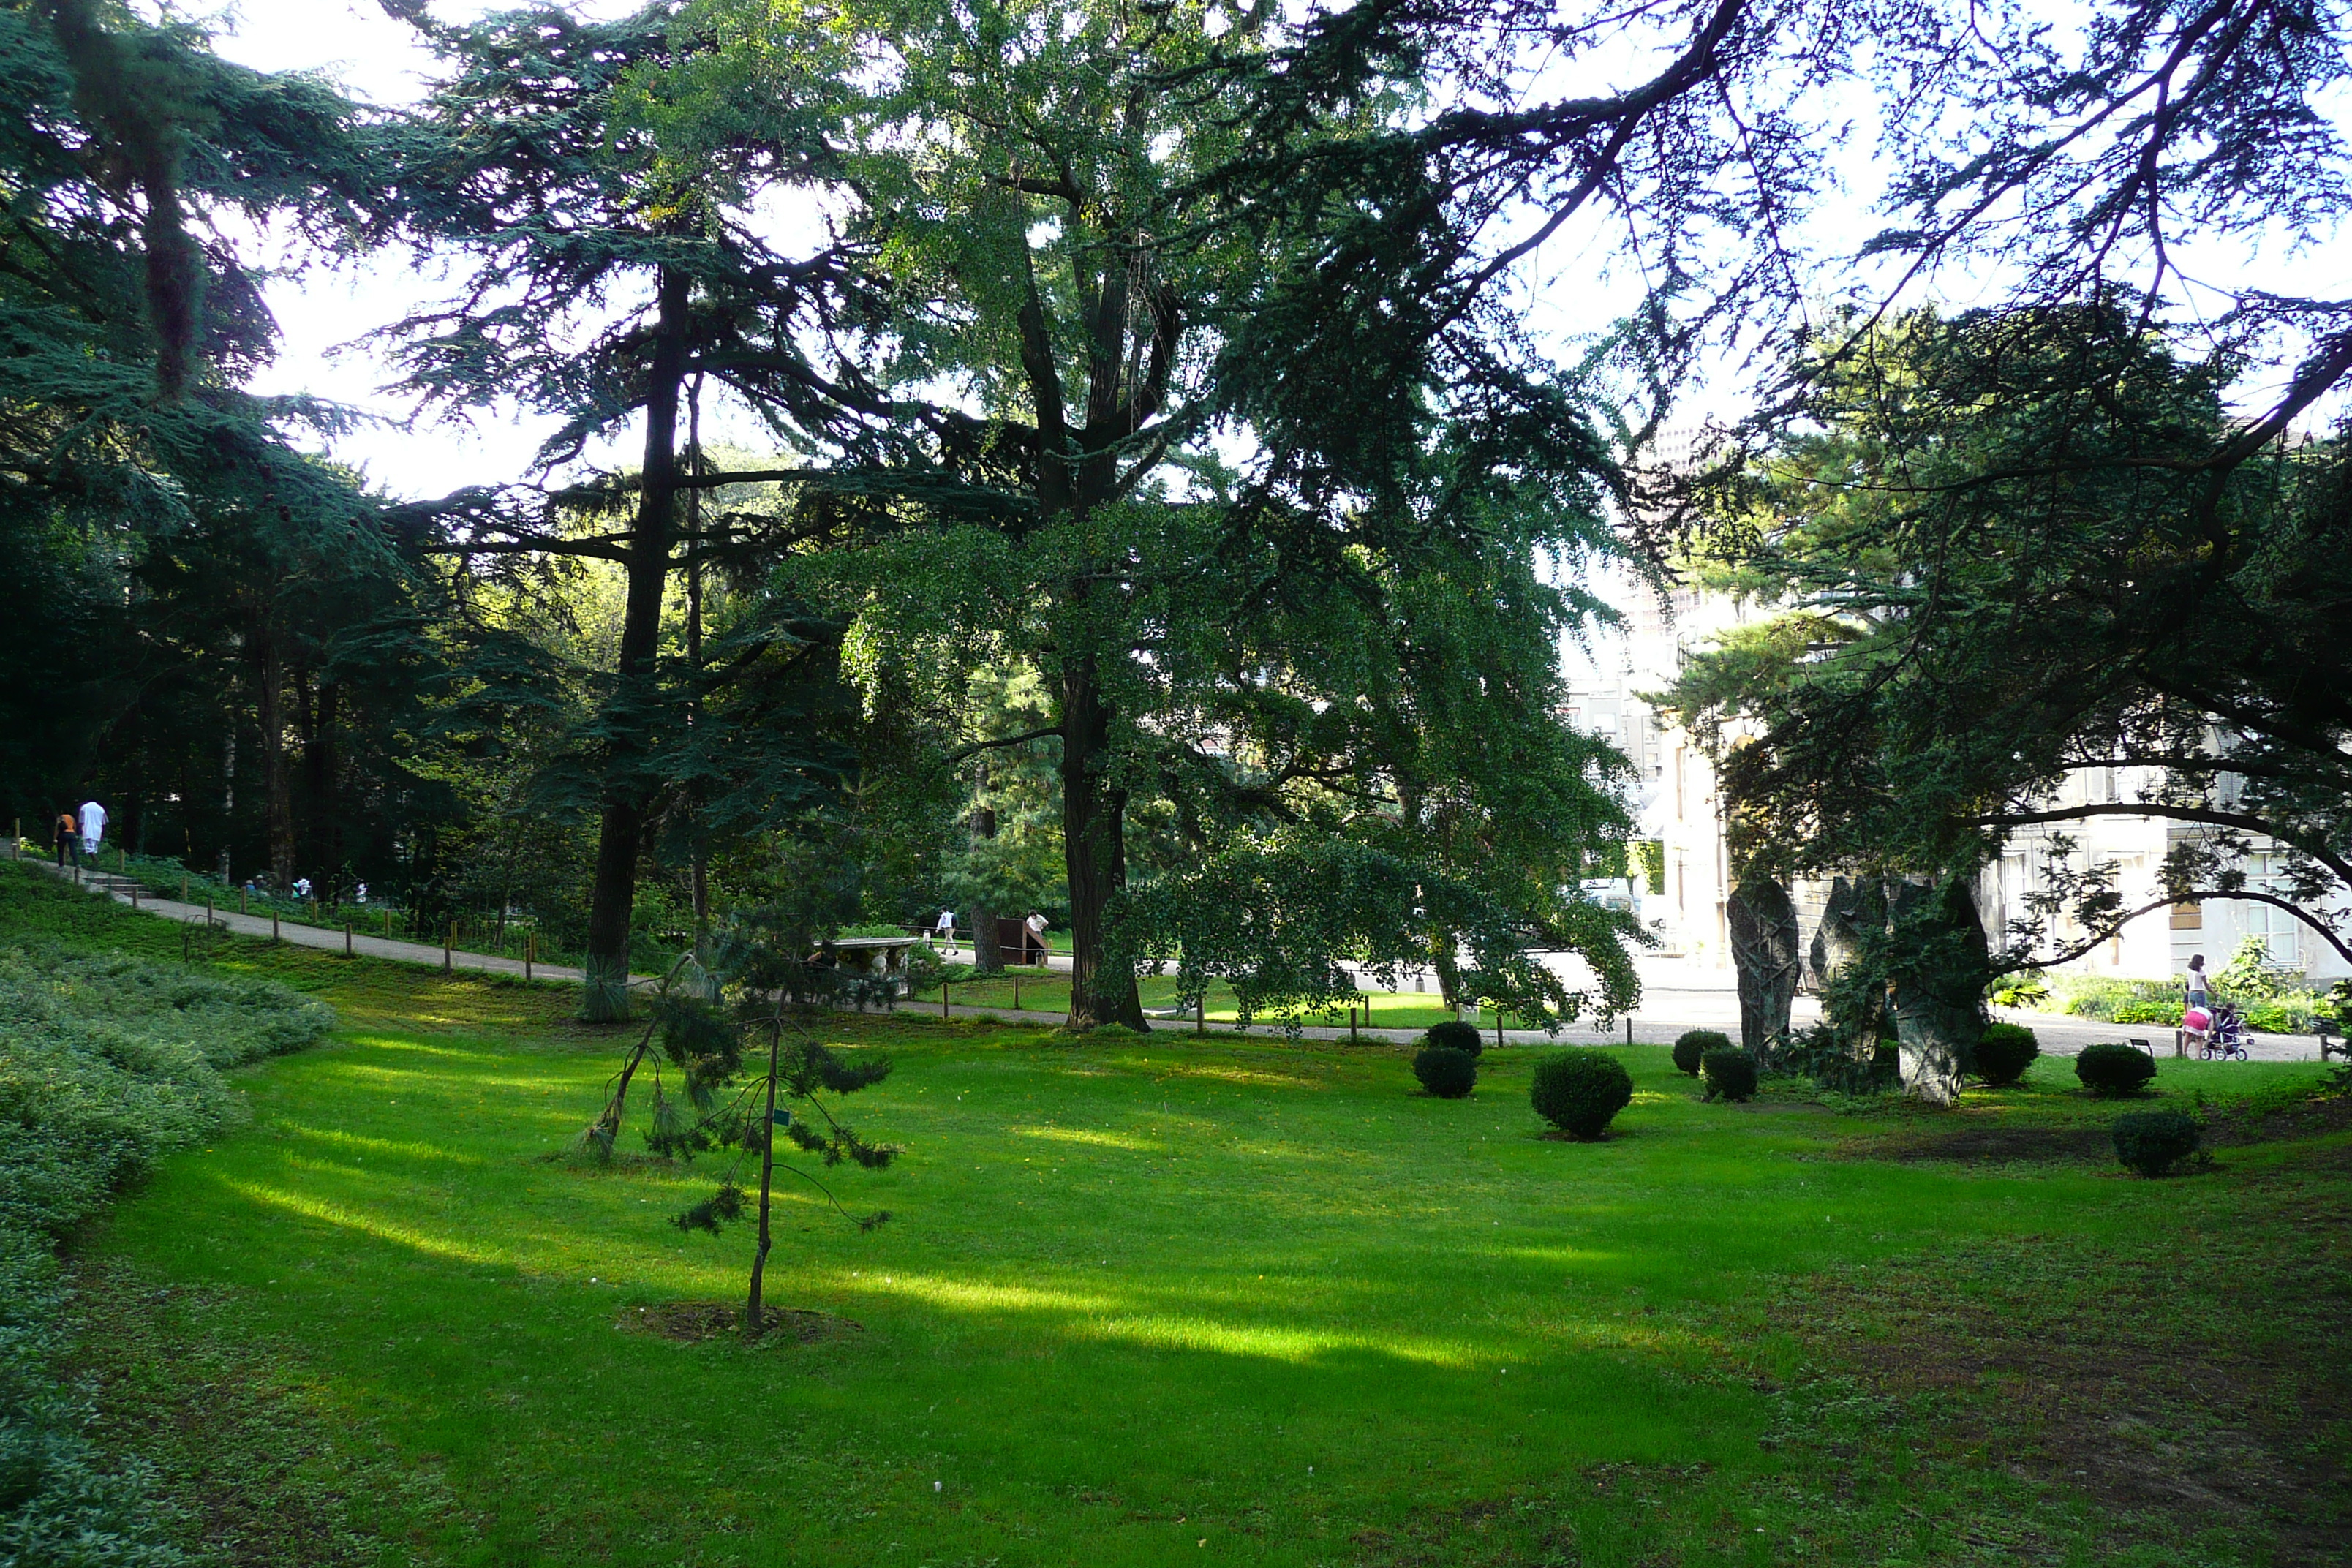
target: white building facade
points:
(1678, 809)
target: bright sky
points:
(354, 42)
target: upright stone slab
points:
(1764, 954)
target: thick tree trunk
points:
(1094, 835)
(1940, 1011)
(1764, 951)
(604, 995)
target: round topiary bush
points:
(2156, 1143)
(1445, 1072)
(1730, 1074)
(1695, 1044)
(2114, 1068)
(2004, 1052)
(1453, 1034)
(1579, 1091)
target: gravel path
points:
(1675, 998)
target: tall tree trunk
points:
(279, 806)
(1094, 834)
(228, 793)
(320, 772)
(604, 994)
(698, 864)
(987, 953)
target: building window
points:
(2280, 933)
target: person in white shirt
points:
(302, 889)
(93, 827)
(946, 926)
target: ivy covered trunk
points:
(605, 996)
(1940, 967)
(1764, 951)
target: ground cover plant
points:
(1136, 1296)
(107, 1063)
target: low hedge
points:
(2156, 1143)
(106, 1064)
(1448, 1073)
(2114, 1069)
(1580, 1091)
(2003, 1053)
(1694, 1043)
(1728, 1074)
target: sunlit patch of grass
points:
(1175, 1273)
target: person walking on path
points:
(93, 828)
(2199, 995)
(68, 833)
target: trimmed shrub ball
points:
(1695, 1044)
(1579, 1091)
(1454, 1035)
(1730, 1075)
(1445, 1072)
(2156, 1143)
(2114, 1069)
(2004, 1052)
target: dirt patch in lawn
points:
(2188, 1378)
(692, 1322)
(1990, 1142)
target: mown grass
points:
(1039, 989)
(1163, 1302)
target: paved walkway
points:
(1674, 997)
(127, 891)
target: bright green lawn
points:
(1170, 1302)
(1134, 1299)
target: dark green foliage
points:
(2003, 1053)
(1445, 1072)
(1454, 1035)
(2156, 1143)
(1694, 1043)
(2108, 1068)
(1830, 1057)
(1579, 1091)
(1730, 1075)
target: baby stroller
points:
(2226, 1040)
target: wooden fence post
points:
(1629, 1028)
(244, 904)
(1351, 1024)
(447, 946)
(347, 939)
(273, 922)
(1016, 993)
(530, 951)
(387, 925)
(1498, 1025)
(944, 998)
(1201, 1014)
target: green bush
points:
(2112, 1070)
(1730, 1074)
(1694, 1043)
(2004, 1052)
(1579, 1091)
(106, 1064)
(1453, 1034)
(2156, 1143)
(1445, 1072)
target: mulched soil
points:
(693, 1322)
(2192, 1381)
